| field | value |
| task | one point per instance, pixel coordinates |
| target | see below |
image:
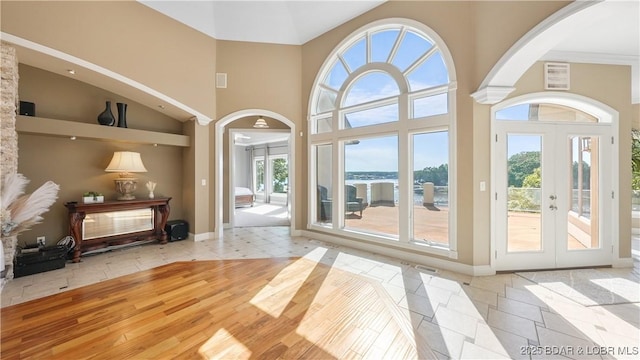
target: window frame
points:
(404, 128)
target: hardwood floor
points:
(259, 308)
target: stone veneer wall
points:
(8, 138)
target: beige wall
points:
(127, 38)
(491, 21)
(196, 167)
(78, 166)
(636, 116)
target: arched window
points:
(381, 122)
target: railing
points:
(529, 200)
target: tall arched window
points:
(381, 144)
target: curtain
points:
(267, 170)
(251, 174)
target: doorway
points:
(219, 188)
(553, 187)
(259, 177)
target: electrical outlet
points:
(40, 240)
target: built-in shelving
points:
(53, 127)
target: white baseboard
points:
(622, 262)
(295, 232)
(412, 257)
(201, 236)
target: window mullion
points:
(396, 45)
(404, 169)
(344, 63)
(420, 60)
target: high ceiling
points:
(266, 21)
(616, 32)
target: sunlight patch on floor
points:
(263, 209)
(223, 345)
(275, 296)
(624, 288)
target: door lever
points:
(553, 207)
(553, 197)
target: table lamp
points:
(125, 163)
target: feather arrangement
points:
(19, 211)
(12, 188)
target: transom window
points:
(381, 122)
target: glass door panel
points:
(583, 217)
(524, 181)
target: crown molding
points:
(490, 95)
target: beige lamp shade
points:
(126, 162)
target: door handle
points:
(553, 207)
(553, 197)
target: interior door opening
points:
(260, 178)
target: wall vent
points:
(556, 76)
(221, 80)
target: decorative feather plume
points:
(28, 208)
(12, 188)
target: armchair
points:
(352, 202)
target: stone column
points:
(8, 138)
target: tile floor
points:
(501, 316)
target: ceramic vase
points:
(106, 117)
(122, 115)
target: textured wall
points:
(8, 137)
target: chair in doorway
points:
(353, 203)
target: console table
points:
(100, 225)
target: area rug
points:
(262, 215)
(590, 287)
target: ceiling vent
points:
(556, 76)
(221, 80)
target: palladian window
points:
(381, 122)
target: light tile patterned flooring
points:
(501, 316)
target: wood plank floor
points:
(260, 308)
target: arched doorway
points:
(219, 161)
(553, 157)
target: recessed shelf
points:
(53, 127)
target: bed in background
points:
(244, 196)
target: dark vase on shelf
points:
(106, 117)
(122, 115)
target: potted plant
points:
(91, 197)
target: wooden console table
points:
(114, 234)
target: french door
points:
(552, 195)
